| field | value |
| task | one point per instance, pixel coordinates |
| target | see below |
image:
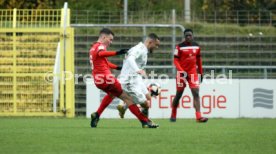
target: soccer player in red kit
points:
(187, 60)
(105, 81)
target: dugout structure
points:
(36, 48)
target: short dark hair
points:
(106, 31)
(188, 30)
(153, 36)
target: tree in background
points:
(233, 5)
(248, 10)
(143, 5)
(27, 4)
(245, 11)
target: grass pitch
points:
(116, 136)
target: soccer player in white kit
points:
(133, 70)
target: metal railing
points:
(240, 17)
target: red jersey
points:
(188, 56)
(99, 65)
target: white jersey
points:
(132, 82)
(136, 59)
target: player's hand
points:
(121, 51)
(119, 68)
(200, 78)
(142, 72)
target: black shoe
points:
(202, 120)
(173, 119)
(149, 124)
(94, 119)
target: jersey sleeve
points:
(112, 66)
(176, 59)
(177, 64)
(132, 63)
(176, 52)
(106, 53)
(101, 52)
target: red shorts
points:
(192, 80)
(109, 84)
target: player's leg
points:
(135, 90)
(146, 104)
(180, 86)
(122, 106)
(105, 102)
(146, 123)
(199, 118)
(146, 99)
(175, 104)
(112, 89)
(195, 93)
(194, 85)
(95, 117)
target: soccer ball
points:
(154, 89)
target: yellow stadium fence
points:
(36, 48)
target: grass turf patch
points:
(60, 135)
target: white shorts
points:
(136, 88)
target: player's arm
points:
(103, 53)
(133, 64)
(176, 62)
(176, 59)
(199, 63)
(114, 66)
(133, 54)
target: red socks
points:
(105, 102)
(135, 110)
(174, 112)
(198, 115)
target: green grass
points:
(59, 135)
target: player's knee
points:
(127, 99)
(148, 96)
(146, 104)
(196, 95)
